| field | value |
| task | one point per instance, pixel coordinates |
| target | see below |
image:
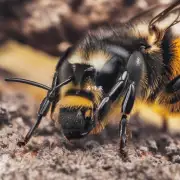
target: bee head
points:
(78, 102)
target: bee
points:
(114, 66)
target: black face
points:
(76, 123)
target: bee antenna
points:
(163, 14)
(25, 81)
(33, 83)
(63, 83)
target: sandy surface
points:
(151, 153)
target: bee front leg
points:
(44, 108)
(126, 86)
(135, 68)
(127, 106)
(56, 93)
(115, 92)
(56, 79)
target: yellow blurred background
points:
(25, 62)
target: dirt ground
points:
(152, 154)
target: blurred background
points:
(34, 33)
(52, 26)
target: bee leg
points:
(50, 99)
(122, 131)
(56, 94)
(116, 91)
(56, 79)
(44, 107)
(129, 80)
(43, 110)
(135, 68)
(127, 106)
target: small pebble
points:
(171, 149)
(152, 145)
(176, 159)
(143, 148)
